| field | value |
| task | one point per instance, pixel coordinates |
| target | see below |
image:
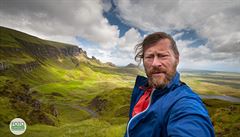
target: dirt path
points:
(90, 111)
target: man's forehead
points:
(161, 46)
(164, 41)
(157, 51)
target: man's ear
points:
(177, 59)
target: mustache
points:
(157, 70)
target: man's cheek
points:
(147, 70)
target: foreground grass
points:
(87, 128)
(225, 117)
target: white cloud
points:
(53, 19)
(218, 21)
(178, 35)
(123, 53)
(131, 38)
(202, 58)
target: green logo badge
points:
(18, 126)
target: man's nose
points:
(156, 62)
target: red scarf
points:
(143, 102)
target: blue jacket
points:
(174, 111)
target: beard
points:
(160, 77)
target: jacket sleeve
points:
(189, 118)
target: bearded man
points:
(161, 105)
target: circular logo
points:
(18, 126)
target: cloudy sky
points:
(207, 32)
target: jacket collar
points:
(175, 81)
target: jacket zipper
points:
(140, 113)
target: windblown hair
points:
(152, 39)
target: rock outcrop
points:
(24, 102)
(3, 66)
(131, 65)
(110, 64)
(20, 51)
(49, 51)
(96, 60)
(28, 67)
(34, 54)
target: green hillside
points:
(60, 91)
(63, 76)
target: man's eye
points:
(162, 56)
(148, 57)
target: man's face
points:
(160, 63)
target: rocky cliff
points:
(48, 51)
(27, 52)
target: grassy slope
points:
(77, 85)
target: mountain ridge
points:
(25, 57)
(25, 51)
